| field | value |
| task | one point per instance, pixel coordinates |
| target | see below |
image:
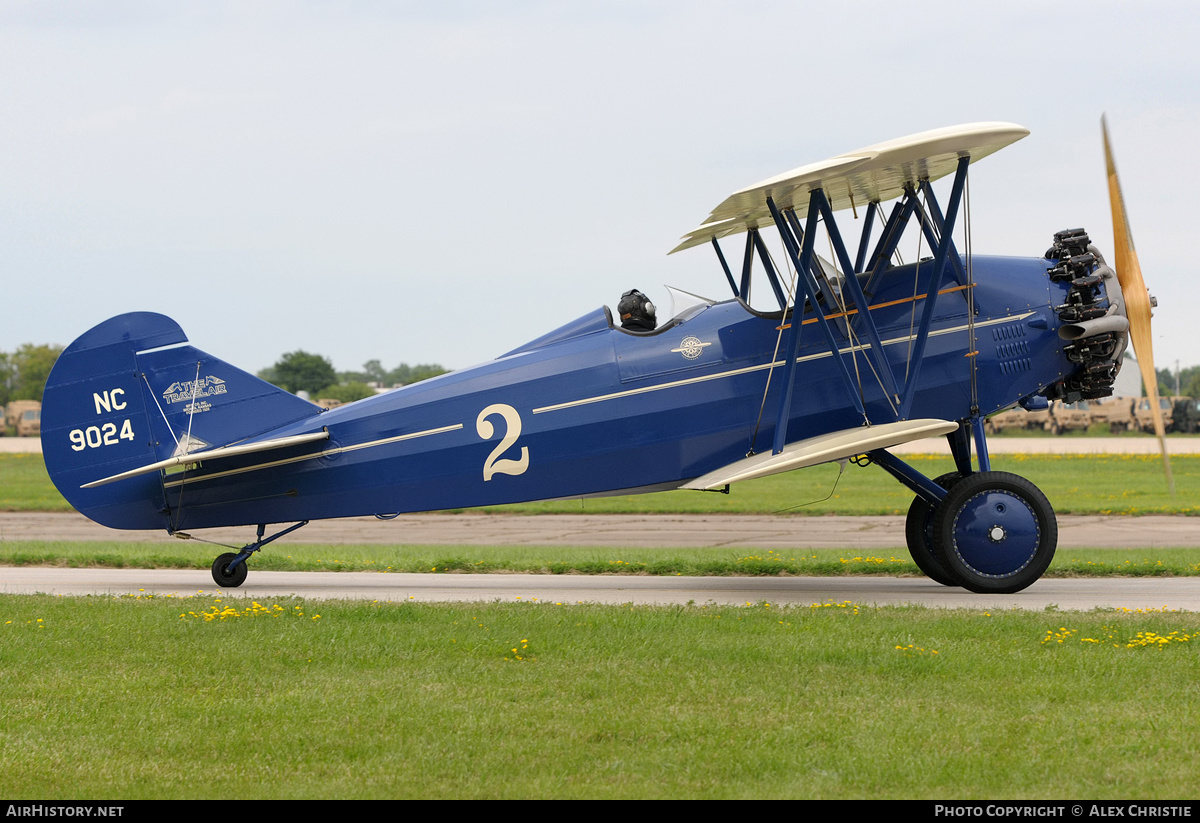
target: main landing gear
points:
(229, 570)
(987, 531)
(994, 532)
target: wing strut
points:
(747, 268)
(877, 353)
(765, 255)
(865, 237)
(936, 228)
(802, 260)
(893, 230)
(939, 223)
(935, 283)
(725, 266)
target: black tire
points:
(996, 532)
(918, 533)
(224, 578)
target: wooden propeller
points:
(1137, 299)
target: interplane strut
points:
(937, 229)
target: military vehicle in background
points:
(1185, 416)
(1014, 418)
(1144, 414)
(14, 410)
(30, 423)
(1021, 420)
(1122, 414)
(1039, 419)
(1065, 417)
(1117, 412)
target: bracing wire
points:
(192, 409)
(789, 294)
(855, 347)
(971, 351)
(187, 447)
(160, 409)
(912, 313)
(841, 469)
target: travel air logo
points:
(185, 391)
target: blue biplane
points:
(850, 357)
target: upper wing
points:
(880, 172)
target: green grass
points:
(123, 698)
(443, 559)
(25, 486)
(1075, 484)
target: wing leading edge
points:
(876, 173)
(823, 449)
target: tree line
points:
(302, 371)
(23, 373)
(1189, 382)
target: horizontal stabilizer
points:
(211, 455)
(824, 449)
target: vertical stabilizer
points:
(131, 392)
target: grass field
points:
(211, 697)
(121, 698)
(1075, 484)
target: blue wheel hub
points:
(996, 534)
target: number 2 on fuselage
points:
(495, 464)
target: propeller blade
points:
(1137, 299)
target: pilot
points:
(636, 311)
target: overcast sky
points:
(443, 181)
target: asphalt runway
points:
(1177, 594)
(778, 532)
(734, 531)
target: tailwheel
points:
(995, 532)
(229, 570)
(918, 533)
(224, 576)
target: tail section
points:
(129, 393)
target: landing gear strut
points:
(989, 532)
(229, 570)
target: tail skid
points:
(130, 398)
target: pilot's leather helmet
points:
(636, 311)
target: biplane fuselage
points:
(586, 409)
